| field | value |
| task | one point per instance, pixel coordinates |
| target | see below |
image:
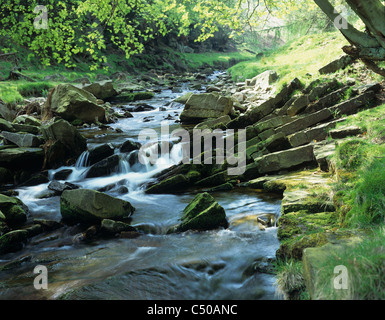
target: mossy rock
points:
(214, 180)
(14, 210)
(203, 213)
(303, 221)
(293, 248)
(169, 185)
(13, 241)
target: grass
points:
(365, 266)
(290, 282)
(360, 165)
(212, 58)
(295, 59)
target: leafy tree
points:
(91, 27)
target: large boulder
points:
(67, 135)
(204, 106)
(203, 213)
(102, 90)
(90, 206)
(14, 210)
(72, 103)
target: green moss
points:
(293, 248)
(203, 213)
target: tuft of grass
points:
(290, 282)
(366, 270)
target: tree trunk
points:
(368, 46)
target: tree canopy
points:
(90, 27)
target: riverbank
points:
(308, 141)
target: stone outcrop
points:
(205, 106)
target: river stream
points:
(217, 264)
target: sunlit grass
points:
(301, 58)
(210, 58)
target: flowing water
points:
(217, 264)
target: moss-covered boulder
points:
(90, 206)
(203, 213)
(71, 103)
(13, 241)
(14, 210)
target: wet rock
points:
(59, 187)
(26, 128)
(114, 227)
(13, 241)
(66, 135)
(22, 139)
(203, 213)
(89, 206)
(102, 90)
(35, 180)
(99, 153)
(104, 167)
(62, 174)
(207, 105)
(71, 103)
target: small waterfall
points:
(82, 161)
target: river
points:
(217, 264)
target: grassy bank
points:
(300, 59)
